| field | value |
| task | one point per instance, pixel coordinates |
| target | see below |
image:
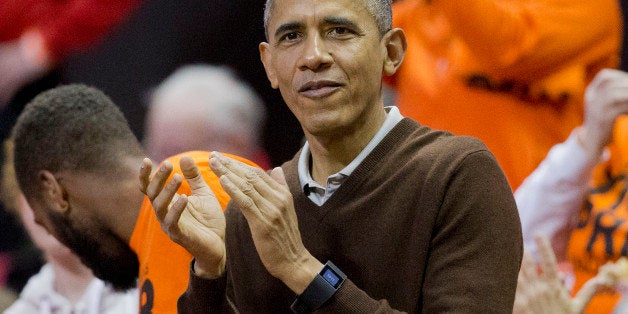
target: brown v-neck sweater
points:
(426, 223)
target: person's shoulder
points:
(443, 140)
(466, 143)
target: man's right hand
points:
(195, 222)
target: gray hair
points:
(213, 95)
(381, 10)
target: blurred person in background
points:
(205, 107)
(36, 37)
(577, 196)
(162, 36)
(511, 73)
(76, 162)
(63, 285)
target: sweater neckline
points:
(354, 181)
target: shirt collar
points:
(393, 117)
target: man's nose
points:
(316, 54)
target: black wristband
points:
(321, 289)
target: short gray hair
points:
(213, 96)
(380, 9)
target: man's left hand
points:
(266, 203)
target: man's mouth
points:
(318, 88)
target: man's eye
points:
(290, 36)
(340, 30)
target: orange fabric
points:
(524, 58)
(164, 265)
(602, 233)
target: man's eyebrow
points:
(288, 27)
(340, 21)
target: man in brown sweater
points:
(375, 213)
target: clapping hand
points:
(266, 203)
(196, 222)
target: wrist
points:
(324, 285)
(589, 142)
(300, 276)
(208, 271)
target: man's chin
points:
(109, 258)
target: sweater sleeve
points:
(203, 295)
(476, 246)
(75, 24)
(530, 39)
(351, 299)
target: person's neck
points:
(333, 152)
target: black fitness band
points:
(322, 287)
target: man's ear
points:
(53, 192)
(265, 55)
(396, 45)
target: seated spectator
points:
(76, 162)
(63, 285)
(36, 38)
(577, 195)
(375, 214)
(204, 107)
